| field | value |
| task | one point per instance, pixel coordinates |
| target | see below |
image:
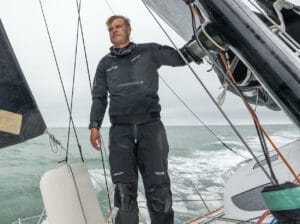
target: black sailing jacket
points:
(130, 77)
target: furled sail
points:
(20, 118)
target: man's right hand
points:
(95, 138)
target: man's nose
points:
(114, 30)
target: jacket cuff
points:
(94, 124)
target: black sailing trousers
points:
(141, 147)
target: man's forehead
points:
(117, 21)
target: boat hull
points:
(243, 184)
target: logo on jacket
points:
(161, 173)
(135, 58)
(118, 174)
(112, 68)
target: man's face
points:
(119, 33)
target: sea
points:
(197, 163)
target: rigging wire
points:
(109, 6)
(73, 84)
(208, 92)
(80, 27)
(202, 199)
(60, 77)
(51, 137)
(199, 119)
(252, 113)
(78, 194)
(84, 45)
(79, 23)
(234, 84)
(265, 150)
(257, 122)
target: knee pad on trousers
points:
(159, 199)
(126, 196)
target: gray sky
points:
(24, 25)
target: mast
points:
(275, 65)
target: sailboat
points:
(257, 42)
(254, 39)
(261, 52)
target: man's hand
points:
(95, 138)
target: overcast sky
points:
(24, 25)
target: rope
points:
(262, 217)
(237, 90)
(265, 151)
(111, 212)
(295, 181)
(222, 95)
(257, 122)
(180, 99)
(54, 143)
(211, 39)
(225, 60)
(225, 85)
(206, 90)
(60, 77)
(204, 215)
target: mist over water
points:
(197, 161)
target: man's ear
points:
(129, 30)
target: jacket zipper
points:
(131, 83)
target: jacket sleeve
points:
(165, 55)
(99, 97)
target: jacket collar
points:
(123, 51)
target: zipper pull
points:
(135, 133)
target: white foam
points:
(98, 179)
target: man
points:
(137, 138)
